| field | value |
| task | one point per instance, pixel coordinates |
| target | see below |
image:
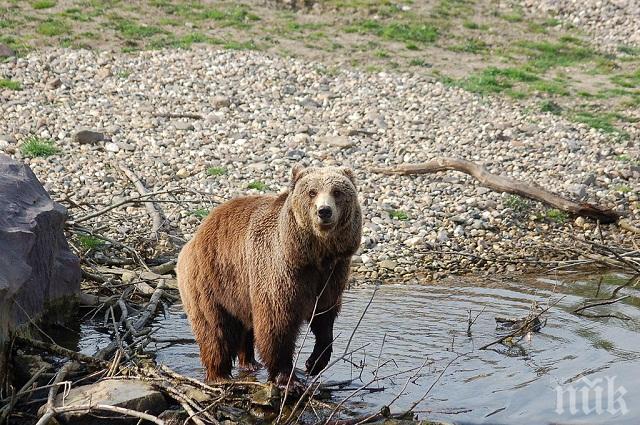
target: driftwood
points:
(150, 206)
(504, 184)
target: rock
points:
(458, 231)
(7, 139)
(578, 190)
(590, 180)
(341, 142)
(301, 138)
(129, 394)
(443, 236)
(580, 222)
(220, 102)
(111, 147)
(85, 137)
(182, 173)
(6, 51)
(414, 241)
(37, 268)
(388, 264)
(183, 125)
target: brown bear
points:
(258, 266)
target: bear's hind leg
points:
(216, 332)
(246, 355)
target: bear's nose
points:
(325, 212)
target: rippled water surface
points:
(411, 334)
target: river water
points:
(413, 341)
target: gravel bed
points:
(612, 23)
(261, 114)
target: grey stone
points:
(578, 190)
(590, 180)
(85, 137)
(6, 51)
(388, 264)
(342, 142)
(7, 138)
(183, 125)
(458, 231)
(220, 102)
(37, 268)
(129, 394)
(111, 147)
(443, 236)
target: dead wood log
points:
(150, 206)
(504, 184)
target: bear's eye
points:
(312, 193)
(337, 194)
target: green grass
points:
(216, 171)
(471, 45)
(558, 88)
(133, 30)
(556, 215)
(258, 185)
(629, 50)
(629, 81)
(398, 215)
(35, 146)
(237, 16)
(200, 212)
(600, 121)
(53, 27)
(10, 84)
(453, 8)
(622, 188)
(240, 45)
(419, 62)
(513, 16)
(550, 106)
(397, 31)
(517, 203)
(88, 242)
(544, 55)
(77, 14)
(496, 80)
(43, 4)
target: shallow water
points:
(424, 328)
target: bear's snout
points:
(325, 212)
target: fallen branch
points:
(61, 351)
(150, 206)
(504, 184)
(101, 407)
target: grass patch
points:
(133, 30)
(238, 16)
(629, 81)
(35, 146)
(240, 45)
(517, 203)
(622, 188)
(258, 185)
(496, 80)
(556, 215)
(10, 84)
(398, 215)
(551, 87)
(551, 107)
(544, 55)
(419, 62)
(398, 31)
(603, 122)
(77, 14)
(216, 171)
(629, 50)
(88, 242)
(513, 16)
(43, 4)
(200, 212)
(453, 8)
(471, 45)
(53, 28)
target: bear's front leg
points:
(322, 328)
(275, 337)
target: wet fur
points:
(254, 269)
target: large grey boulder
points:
(37, 268)
(129, 394)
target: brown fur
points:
(257, 265)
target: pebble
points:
(111, 147)
(84, 137)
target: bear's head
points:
(324, 198)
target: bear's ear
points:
(296, 173)
(349, 173)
